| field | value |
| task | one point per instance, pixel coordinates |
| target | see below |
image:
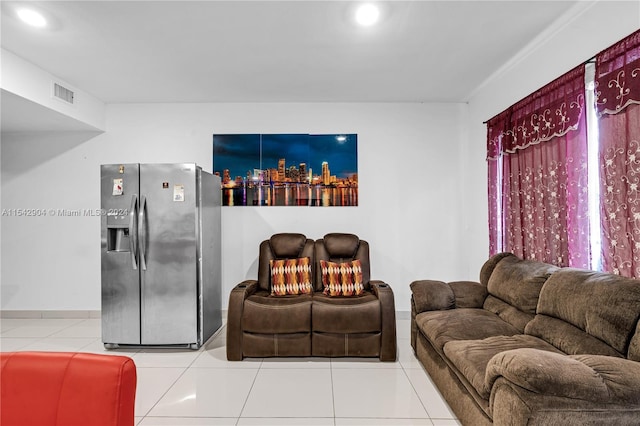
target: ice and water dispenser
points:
(120, 221)
(118, 238)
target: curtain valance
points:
(617, 81)
(552, 111)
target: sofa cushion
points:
(290, 276)
(342, 279)
(281, 246)
(287, 245)
(489, 266)
(345, 315)
(470, 357)
(468, 294)
(440, 327)
(518, 282)
(271, 315)
(548, 374)
(568, 338)
(594, 379)
(597, 305)
(508, 313)
(634, 347)
(621, 377)
(342, 246)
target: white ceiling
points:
(277, 51)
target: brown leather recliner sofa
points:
(532, 344)
(260, 324)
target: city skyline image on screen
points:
(287, 169)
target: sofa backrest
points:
(490, 265)
(586, 312)
(281, 246)
(340, 248)
(514, 287)
(64, 388)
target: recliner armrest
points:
(378, 286)
(234, 317)
(246, 288)
(595, 378)
(384, 293)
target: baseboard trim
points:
(50, 314)
(403, 315)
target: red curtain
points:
(617, 86)
(537, 158)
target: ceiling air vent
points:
(62, 93)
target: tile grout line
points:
(406, 368)
(65, 328)
(249, 393)
(431, 419)
(165, 392)
(416, 392)
(333, 394)
(202, 349)
(39, 339)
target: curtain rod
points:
(591, 60)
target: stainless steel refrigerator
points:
(161, 251)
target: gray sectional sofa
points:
(532, 344)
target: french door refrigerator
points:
(161, 251)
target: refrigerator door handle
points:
(133, 231)
(143, 232)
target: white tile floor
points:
(185, 387)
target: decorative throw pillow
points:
(290, 276)
(342, 279)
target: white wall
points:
(48, 260)
(421, 167)
(409, 161)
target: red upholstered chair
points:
(62, 388)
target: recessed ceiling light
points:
(31, 17)
(367, 14)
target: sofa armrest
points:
(234, 317)
(468, 294)
(388, 346)
(595, 378)
(430, 295)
